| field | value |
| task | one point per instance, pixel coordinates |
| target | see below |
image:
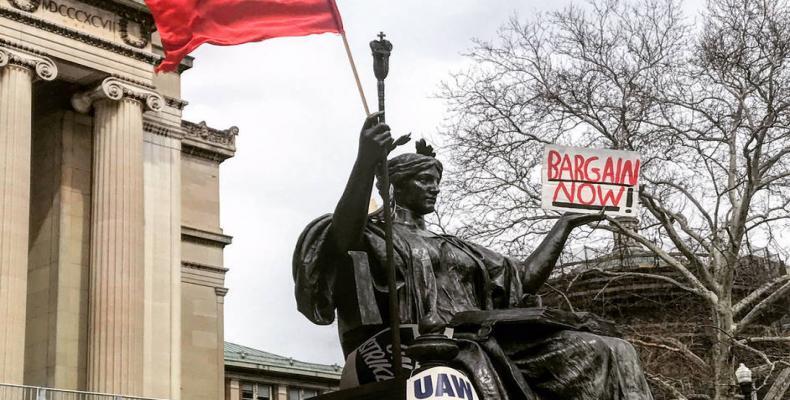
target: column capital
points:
(117, 89)
(43, 66)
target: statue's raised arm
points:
(351, 213)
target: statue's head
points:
(415, 179)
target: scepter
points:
(381, 49)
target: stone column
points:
(162, 338)
(221, 292)
(115, 315)
(18, 68)
(282, 392)
(234, 391)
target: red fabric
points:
(186, 24)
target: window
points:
(296, 393)
(263, 392)
(247, 391)
(252, 391)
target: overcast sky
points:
(296, 104)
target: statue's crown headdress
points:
(423, 148)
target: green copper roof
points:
(243, 356)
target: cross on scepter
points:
(381, 64)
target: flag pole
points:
(356, 74)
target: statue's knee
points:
(624, 348)
(590, 342)
(601, 345)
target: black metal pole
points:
(381, 51)
(746, 390)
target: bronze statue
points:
(443, 280)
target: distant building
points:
(655, 311)
(111, 247)
(252, 374)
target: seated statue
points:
(340, 269)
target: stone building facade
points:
(111, 249)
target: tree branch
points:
(696, 286)
(757, 293)
(762, 306)
(679, 348)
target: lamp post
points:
(744, 377)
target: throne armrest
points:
(363, 282)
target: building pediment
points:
(113, 37)
(106, 20)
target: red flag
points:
(186, 24)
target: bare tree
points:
(707, 107)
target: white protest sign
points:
(440, 383)
(589, 181)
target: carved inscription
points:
(80, 15)
(97, 18)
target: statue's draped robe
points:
(439, 276)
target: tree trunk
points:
(721, 352)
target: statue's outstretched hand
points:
(577, 219)
(375, 140)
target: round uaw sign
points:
(440, 383)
